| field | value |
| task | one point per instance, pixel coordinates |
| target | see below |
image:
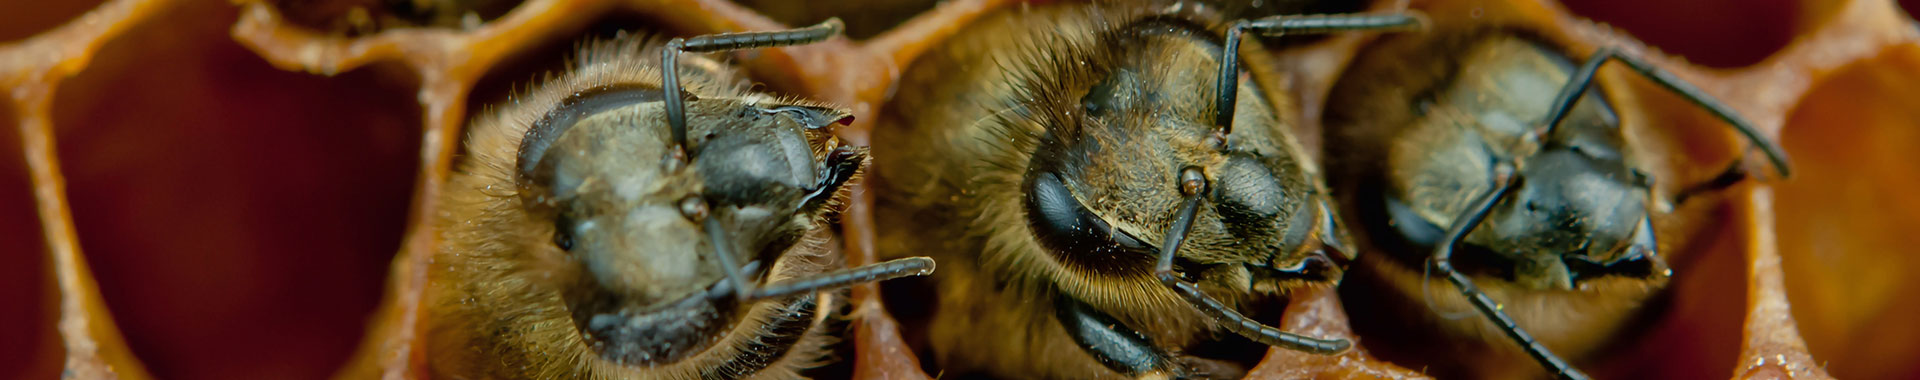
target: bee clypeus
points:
(1495, 167)
(1109, 192)
(610, 224)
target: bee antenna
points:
(1193, 185)
(1426, 292)
(1583, 78)
(1228, 87)
(719, 42)
(892, 269)
(1441, 261)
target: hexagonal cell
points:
(25, 280)
(363, 17)
(22, 19)
(1714, 33)
(1846, 219)
(239, 218)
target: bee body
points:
(1496, 157)
(1052, 153)
(584, 238)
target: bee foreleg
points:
(897, 268)
(1113, 344)
(1584, 77)
(1733, 174)
(1443, 252)
(1227, 89)
(1775, 154)
(1193, 185)
(706, 43)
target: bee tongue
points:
(1316, 266)
(1312, 231)
(654, 335)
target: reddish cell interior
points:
(1715, 33)
(239, 218)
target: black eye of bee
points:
(541, 136)
(1064, 225)
(563, 233)
(1249, 196)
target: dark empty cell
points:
(27, 323)
(239, 218)
(1911, 7)
(1716, 33)
(22, 19)
(864, 18)
(362, 17)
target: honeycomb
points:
(250, 190)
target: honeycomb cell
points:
(28, 324)
(1847, 217)
(239, 218)
(26, 18)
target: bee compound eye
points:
(563, 233)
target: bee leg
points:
(1443, 252)
(675, 103)
(1584, 77)
(1733, 174)
(670, 80)
(1116, 346)
(897, 268)
(1228, 87)
(1193, 185)
(745, 291)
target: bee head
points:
(639, 212)
(1104, 181)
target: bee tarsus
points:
(1275, 26)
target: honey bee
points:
(610, 224)
(1495, 164)
(1108, 191)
